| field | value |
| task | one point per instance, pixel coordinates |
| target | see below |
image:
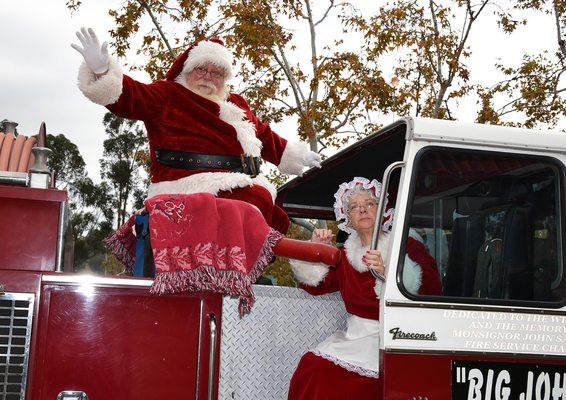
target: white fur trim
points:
(378, 288)
(261, 180)
(104, 90)
(412, 275)
(212, 52)
(307, 273)
(355, 250)
(292, 159)
(208, 182)
(415, 235)
(235, 116)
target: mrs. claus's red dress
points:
(346, 365)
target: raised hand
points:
(95, 55)
(322, 236)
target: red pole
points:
(307, 251)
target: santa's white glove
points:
(95, 55)
(311, 159)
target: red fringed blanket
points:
(202, 243)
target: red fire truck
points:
(488, 202)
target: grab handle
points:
(380, 209)
(211, 356)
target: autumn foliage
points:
(336, 69)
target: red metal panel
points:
(29, 220)
(122, 343)
(408, 376)
(20, 281)
(25, 282)
(18, 192)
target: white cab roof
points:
(436, 130)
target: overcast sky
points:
(38, 68)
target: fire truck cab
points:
(488, 202)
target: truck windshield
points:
(492, 221)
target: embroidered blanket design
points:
(202, 243)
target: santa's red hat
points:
(210, 50)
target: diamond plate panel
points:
(260, 351)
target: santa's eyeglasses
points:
(202, 71)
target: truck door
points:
(109, 338)
(493, 221)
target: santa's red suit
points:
(178, 119)
(345, 366)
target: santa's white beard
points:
(205, 89)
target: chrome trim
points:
(25, 365)
(398, 350)
(306, 207)
(201, 307)
(82, 279)
(380, 209)
(72, 395)
(9, 126)
(61, 237)
(410, 122)
(14, 178)
(41, 155)
(473, 307)
(305, 223)
(490, 143)
(559, 236)
(211, 356)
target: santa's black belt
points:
(186, 160)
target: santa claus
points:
(202, 138)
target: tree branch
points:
(314, 61)
(330, 7)
(462, 44)
(453, 66)
(436, 36)
(260, 90)
(220, 31)
(285, 66)
(322, 145)
(178, 10)
(156, 23)
(348, 113)
(448, 109)
(283, 62)
(561, 42)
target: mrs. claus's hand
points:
(374, 261)
(322, 236)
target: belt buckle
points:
(248, 163)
